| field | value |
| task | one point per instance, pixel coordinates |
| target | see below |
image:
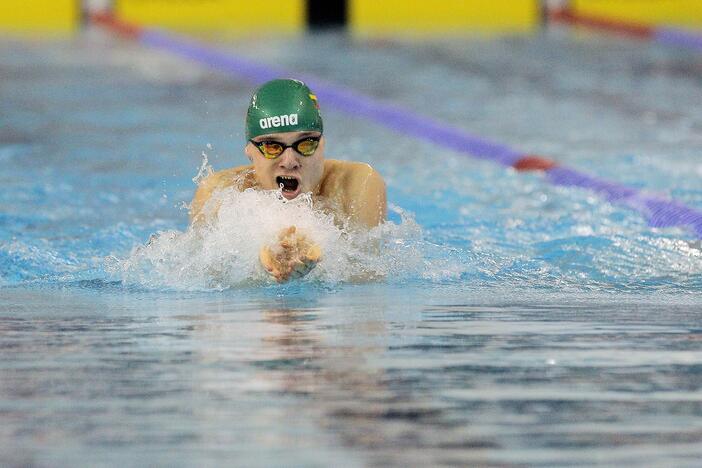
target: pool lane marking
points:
(659, 211)
(399, 119)
(664, 35)
(679, 37)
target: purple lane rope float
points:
(659, 211)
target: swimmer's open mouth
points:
(287, 183)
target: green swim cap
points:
(282, 106)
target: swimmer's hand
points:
(293, 256)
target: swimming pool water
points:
(516, 322)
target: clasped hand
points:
(292, 256)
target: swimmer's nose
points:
(288, 160)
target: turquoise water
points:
(513, 322)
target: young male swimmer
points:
(285, 144)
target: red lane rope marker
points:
(626, 28)
(533, 163)
(108, 20)
(663, 35)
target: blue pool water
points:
(512, 321)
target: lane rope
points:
(658, 211)
(664, 35)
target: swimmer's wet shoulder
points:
(356, 189)
(285, 145)
(240, 177)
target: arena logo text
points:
(278, 121)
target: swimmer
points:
(285, 145)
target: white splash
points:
(224, 253)
(205, 170)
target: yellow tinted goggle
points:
(272, 149)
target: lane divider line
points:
(659, 211)
(664, 35)
(678, 37)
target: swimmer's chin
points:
(291, 194)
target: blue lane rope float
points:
(658, 211)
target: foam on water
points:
(223, 253)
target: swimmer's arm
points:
(199, 209)
(202, 195)
(370, 206)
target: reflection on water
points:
(364, 375)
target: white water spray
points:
(224, 252)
